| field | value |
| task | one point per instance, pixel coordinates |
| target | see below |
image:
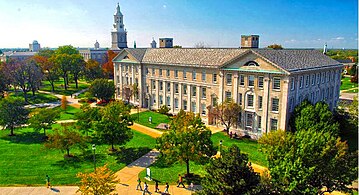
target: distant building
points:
(166, 42)
(153, 43)
(16, 55)
(249, 41)
(119, 33)
(34, 46)
(98, 54)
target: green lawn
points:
(157, 118)
(59, 89)
(24, 160)
(69, 113)
(346, 84)
(38, 98)
(169, 173)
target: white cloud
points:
(338, 38)
(164, 6)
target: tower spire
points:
(325, 49)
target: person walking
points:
(145, 189)
(166, 189)
(156, 187)
(48, 185)
(180, 181)
(139, 184)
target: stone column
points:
(189, 98)
(198, 98)
(180, 85)
(172, 98)
(157, 94)
(120, 82)
(283, 104)
(235, 87)
(141, 86)
(221, 85)
(164, 93)
(265, 104)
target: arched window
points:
(251, 63)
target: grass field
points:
(346, 84)
(169, 173)
(38, 98)
(69, 113)
(157, 118)
(59, 88)
(24, 160)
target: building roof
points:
(288, 59)
(296, 59)
(25, 53)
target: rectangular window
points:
(184, 104)
(249, 120)
(259, 120)
(160, 72)
(154, 98)
(161, 85)
(194, 91)
(146, 71)
(176, 103)
(241, 80)
(214, 78)
(292, 84)
(194, 75)
(276, 83)
(229, 79)
(136, 80)
(153, 72)
(327, 76)
(168, 101)
(260, 102)
(176, 73)
(203, 76)
(301, 82)
(323, 77)
(260, 82)
(275, 104)
(168, 87)
(176, 88)
(313, 79)
(117, 79)
(291, 104)
(318, 78)
(194, 107)
(203, 109)
(185, 89)
(153, 84)
(161, 99)
(307, 80)
(250, 100)
(273, 124)
(168, 73)
(204, 91)
(251, 81)
(240, 99)
(184, 74)
(228, 95)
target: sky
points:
(216, 23)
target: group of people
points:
(145, 186)
(231, 135)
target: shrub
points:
(354, 79)
(164, 109)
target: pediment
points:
(125, 56)
(253, 62)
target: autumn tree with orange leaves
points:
(108, 66)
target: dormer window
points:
(126, 57)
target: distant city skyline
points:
(293, 24)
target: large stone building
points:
(119, 33)
(268, 84)
(34, 46)
(98, 54)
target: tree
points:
(231, 174)
(108, 66)
(308, 162)
(164, 109)
(65, 139)
(63, 102)
(67, 59)
(102, 89)
(353, 70)
(86, 117)
(228, 113)
(113, 126)
(177, 46)
(12, 113)
(3, 80)
(47, 66)
(318, 117)
(93, 70)
(101, 181)
(188, 140)
(77, 67)
(135, 91)
(42, 119)
(275, 46)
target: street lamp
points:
(94, 156)
(220, 148)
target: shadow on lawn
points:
(77, 161)
(128, 155)
(25, 138)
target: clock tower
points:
(118, 33)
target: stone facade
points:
(266, 86)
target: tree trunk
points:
(112, 147)
(11, 131)
(75, 78)
(187, 164)
(52, 85)
(25, 95)
(44, 132)
(68, 151)
(33, 91)
(65, 83)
